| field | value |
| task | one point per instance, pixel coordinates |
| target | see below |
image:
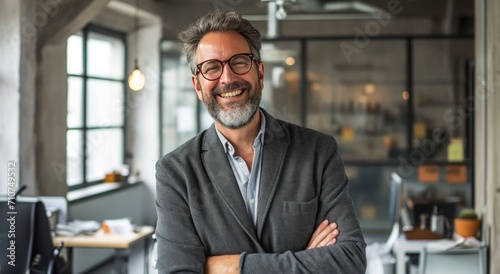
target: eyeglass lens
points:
(239, 64)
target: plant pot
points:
(467, 228)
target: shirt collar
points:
(258, 140)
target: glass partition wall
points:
(396, 104)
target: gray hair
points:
(217, 21)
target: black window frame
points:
(92, 28)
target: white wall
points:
(143, 110)
(10, 56)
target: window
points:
(96, 105)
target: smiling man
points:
(251, 194)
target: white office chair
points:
(453, 261)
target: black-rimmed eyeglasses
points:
(212, 69)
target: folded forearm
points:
(347, 257)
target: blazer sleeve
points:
(179, 247)
(347, 255)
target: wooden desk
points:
(121, 244)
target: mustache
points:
(232, 86)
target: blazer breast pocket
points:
(301, 208)
(299, 220)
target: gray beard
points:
(239, 115)
(236, 117)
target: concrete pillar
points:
(50, 120)
(487, 100)
(28, 71)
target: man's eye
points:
(211, 68)
(240, 64)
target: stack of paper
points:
(457, 242)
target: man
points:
(246, 195)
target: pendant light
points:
(136, 79)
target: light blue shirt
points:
(248, 182)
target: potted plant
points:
(467, 223)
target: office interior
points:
(404, 86)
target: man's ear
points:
(197, 86)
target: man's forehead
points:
(221, 43)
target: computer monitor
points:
(396, 197)
(395, 208)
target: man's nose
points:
(227, 74)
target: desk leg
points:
(121, 260)
(400, 262)
(69, 258)
(146, 255)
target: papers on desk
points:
(77, 227)
(457, 242)
(118, 226)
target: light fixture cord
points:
(136, 22)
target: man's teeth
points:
(231, 94)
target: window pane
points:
(205, 119)
(104, 152)
(440, 93)
(281, 95)
(75, 54)
(74, 156)
(75, 102)
(104, 103)
(359, 98)
(179, 102)
(106, 56)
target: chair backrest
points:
(453, 261)
(26, 228)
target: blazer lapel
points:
(275, 147)
(221, 174)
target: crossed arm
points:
(325, 235)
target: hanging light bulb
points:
(136, 79)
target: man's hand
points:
(222, 264)
(325, 235)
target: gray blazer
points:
(201, 211)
